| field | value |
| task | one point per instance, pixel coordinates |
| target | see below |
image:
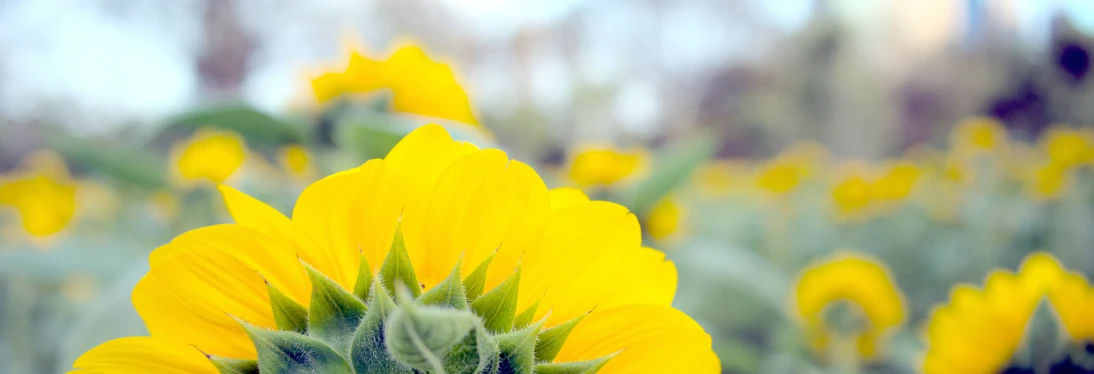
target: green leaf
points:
(476, 281)
(289, 352)
(368, 351)
(258, 128)
(126, 164)
(288, 314)
(364, 279)
(371, 135)
(234, 365)
(449, 292)
(525, 317)
(334, 313)
(517, 349)
(580, 367)
(673, 169)
(499, 306)
(551, 340)
(397, 267)
(422, 336)
(477, 353)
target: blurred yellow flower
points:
(852, 194)
(898, 181)
(1068, 147)
(41, 193)
(664, 219)
(786, 171)
(981, 330)
(416, 83)
(778, 177)
(296, 161)
(433, 215)
(719, 177)
(979, 134)
(210, 155)
(604, 166)
(1048, 181)
(862, 283)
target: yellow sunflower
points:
(489, 270)
(417, 84)
(604, 165)
(41, 193)
(209, 156)
(854, 192)
(983, 330)
(848, 298)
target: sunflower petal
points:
(145, 355)
(648, 338)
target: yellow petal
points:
(205, 277)
(565, 196)
(651, 339)
(144, 355)
(483, 203)
(249, 212)
(587, 250)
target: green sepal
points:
(288, 314)
(397, 266)
(550, 340)
(477, 353)
(364, 279)
(517, 350)
(499, 306)
(334, 313)
(234, 365)
(368, 352)
(476, 281)
(447, 293)
(525, 317)
(290, 352)
(422, 336)
(579, 367)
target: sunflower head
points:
(848, 297)
(416, 83)
(41, 193)
(209, 156)
(995, 329)
(440, 257)
(604, 165)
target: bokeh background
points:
(939, 138)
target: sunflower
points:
(209, 156)
(604, 165)
(41, 193)
(848, 298)
(984, 330)
(440, 257)
(417, 84)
